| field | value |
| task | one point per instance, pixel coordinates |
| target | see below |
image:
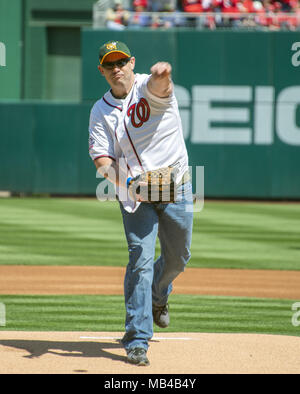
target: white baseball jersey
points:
(143, 129)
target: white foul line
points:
(154, 338)
(176, 339)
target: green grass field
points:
(188, 314)
(42, 231)
(87, 232)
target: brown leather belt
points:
(185, 178)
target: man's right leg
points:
(141, 232)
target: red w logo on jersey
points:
(139, 111)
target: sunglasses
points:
(119, 63)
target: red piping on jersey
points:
(110, 157)
(131, 143)
(129, 169)
(130, 140)
(111, 105)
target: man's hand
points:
(161, 70)
(160, 83)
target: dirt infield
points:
(171, 353)
(109, 280)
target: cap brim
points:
(123, 53)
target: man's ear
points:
(132, 62)
(100, 69)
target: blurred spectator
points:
(162, 5)
(117, 18)
(140, 4)
(139, 19)
(283, 19)
(169, 17)
(295, 19)
(270, 10)
(260, 18)
(286, 5)
(179, 5)
(192, 6)
(269, 14)
(246, 6)
(230, 7)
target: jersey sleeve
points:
(101, 143)
(155, 100)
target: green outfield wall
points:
(44, 149)
(239, 98)
(11, 49)
(52, 61)
(42, 43)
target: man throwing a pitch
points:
(136, 142)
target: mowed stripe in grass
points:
(61, 232)
(64, 231)
(188, 314)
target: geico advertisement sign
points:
(239, 114)
(2, 54)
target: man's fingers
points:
(161, 69)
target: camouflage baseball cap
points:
(113, 46)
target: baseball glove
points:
(154, 186)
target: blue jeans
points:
(148, 281)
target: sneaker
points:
(138, 356)
(161, 315)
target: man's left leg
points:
(141, 232)
(175, 235)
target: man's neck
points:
(118, 95)
(122, 92)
